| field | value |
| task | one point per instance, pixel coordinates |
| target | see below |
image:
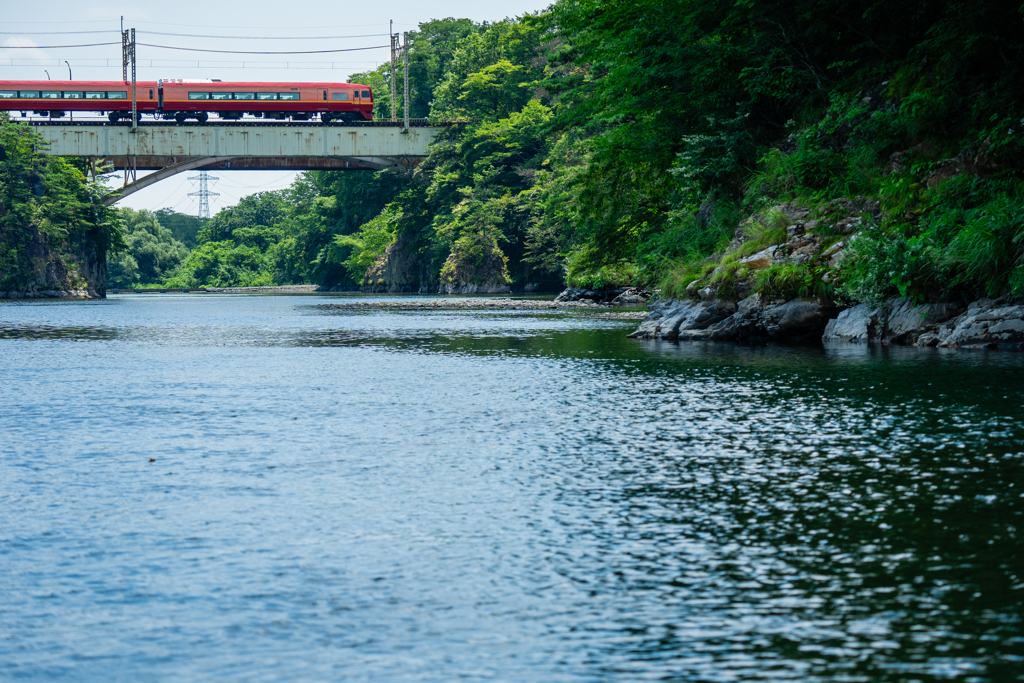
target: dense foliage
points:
(53, 229)
(612, 141)
(151, 252)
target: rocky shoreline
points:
(983, 324)
(53, 294)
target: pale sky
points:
(28, 24)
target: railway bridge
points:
(169, 149)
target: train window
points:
(339, 96)
(73, 95)
(150, 93)
(245, 96)
(95, 95)
(8, 94)
(266, 96)
(199, 95)
(28, 94)
(118, 95)
(366, 94)
(50, 95)
(221, 96)
(287, 95)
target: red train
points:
(182, 100)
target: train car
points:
(195, 99)
(185, 99)
(57, 98)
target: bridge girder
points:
(172, 149)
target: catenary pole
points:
(405, 62)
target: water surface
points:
(213, 488)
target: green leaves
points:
(151, 253)
(49, 210)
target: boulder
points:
(743, 323)
(855, 325)
(694, 315)
(985, 324)
(908, 321)
(668, 319)
(796, 319)
(634, 296)
(900, 321)
(761, 259)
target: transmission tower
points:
(204, 193)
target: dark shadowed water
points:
(211, 488)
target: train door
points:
(160, 96)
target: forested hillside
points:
(615, 141)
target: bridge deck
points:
(168, 142)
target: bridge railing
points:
(249, 123)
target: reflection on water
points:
(442, 495)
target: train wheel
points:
(179, 117)
(202, 116)
(113, 116)
(326, 118)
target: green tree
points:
(54, 229)
(151, 254)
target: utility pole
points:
(394, 74)
(204, 193)
(128, 56)
(405, 61)
(135, 105)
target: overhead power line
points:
(269, 28)
(197, 49)
(51, 47)
(191, 64)
(95, 21)
(193, 35)
(49, 33)
(196, 35)
(263, 52)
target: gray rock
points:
(834, 249)
(671, 318)
(855, 325)
(907, 321)
(799, 318)
(694, 317)
(761, 259)
(741, 324)
(985, 324)
(634, 296)
(904, 323)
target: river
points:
(211, 488)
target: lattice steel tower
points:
(204, 193)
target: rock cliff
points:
(33, 265)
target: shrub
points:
(790, 281)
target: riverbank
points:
(786, 275)
(983, 324)
(485, 304)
